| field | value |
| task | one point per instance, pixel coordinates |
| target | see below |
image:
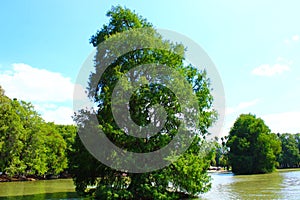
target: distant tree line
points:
(290, 154)
(251, 148)
(28, 144)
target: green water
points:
(36, 190)
(284, 184)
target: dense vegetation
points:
(251, 148)
(29, 145)
(290, 154)
(220, 153)
(187, 176)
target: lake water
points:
(284, 184)
(36, 190)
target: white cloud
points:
(286, 122)
(241, 106)
(233, 112)
(33, 84)
(295, 38)
(50, 92)
(57, 114)
(292, 39)
(268, 70)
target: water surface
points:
(283, 184)
(42, 189)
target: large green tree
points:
(185, 177)
(253, 148)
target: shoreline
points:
(6, 178)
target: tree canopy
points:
(290, 155)
(253, 148)
(187, 175)
(28, 144)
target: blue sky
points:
(255, 46)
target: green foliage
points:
(190, 170)
(29, 145)
(220, 156)
(185, 177)
(253, 149)
(121, 19)
(68, 133)
(290, 155)
(12, 134)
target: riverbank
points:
(229, 171)
(213, 169)
(6, 178)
